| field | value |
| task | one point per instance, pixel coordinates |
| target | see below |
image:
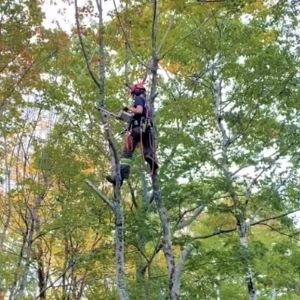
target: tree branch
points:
(24, 74)
(179, 267)
(260, 222)
(126, 38)
(157, 248)
(83, 47)
(100, 195)
(275, 217)
(187, 222)
(184, 37)
(280, 232)
(171, 22)
(71, 265)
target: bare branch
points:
(280, 232)
(83, 47)
(187, 222)
(179, 267)
(257, 211)
(274, 217)
(182, 39)
(156, 250)
(70, 266)
(133, 198)
(171, 22)
(126, 38)
(217, 232)
(100, 195)
(260, 222)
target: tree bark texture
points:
(238, 211)
(242, 230)
(174, 271)
(118, 212)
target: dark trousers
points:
(133, 137)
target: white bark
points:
(166, 238)
(162, 212)
(242, 229)
(184, 223)
(25, 257)
(119, 248)
(179, 269)
(242, 225)
(7, 204)
(114, 205)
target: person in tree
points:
(138, 131)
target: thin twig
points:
(171, 22)
(83, 47)
(260, 222)
(280, 232)
(126, 38)
(71, 265)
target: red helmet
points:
(136, 87)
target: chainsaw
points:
(122, 115)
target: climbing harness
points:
(146, 126)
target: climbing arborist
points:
(138, 131)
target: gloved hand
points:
(125, 108)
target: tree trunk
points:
(119, 240)
(179, 269)
(7, 204)
(242, 229)
(42, 280)
(162, 212)
(32, 221)
(225, 166)
(166, 239)
(118, 212)
(143, 285)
